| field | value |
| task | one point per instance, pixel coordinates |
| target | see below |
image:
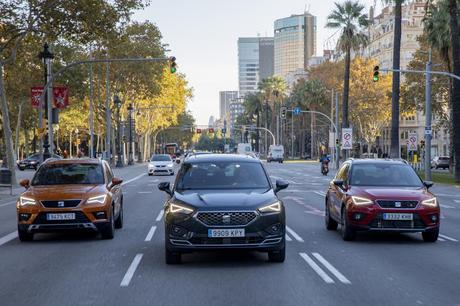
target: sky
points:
(203, 35)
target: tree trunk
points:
(18, 127)
(7, 134)
(26, 142)
(394, 150)
(453, 12)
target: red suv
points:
(381, 195)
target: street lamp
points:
(46, 55)
(117, 102)
(131, 126)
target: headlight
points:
(275, 207)
(179, 209)
(97, 200)
(26, 201)
(170, 165)
(33, 162)
(433, 202)
(361, 201)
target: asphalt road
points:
(320, 268)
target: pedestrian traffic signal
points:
(376, 73)
(172, 64)
(198, 131)
(283, 111)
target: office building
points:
(225, 98)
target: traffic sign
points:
(297, 110)
(347, 138)
(428, 131)
(412, 142)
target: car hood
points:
(393, 193)
(226, 199)
(160, 163)
(62, 192)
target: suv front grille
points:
(55, 204)
(226, 218)
(378, 222)
(80, 217)
(402, 204)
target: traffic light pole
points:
(428, 119)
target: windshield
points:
(222, 175)
(60, 174)
(160, 158)
(384, 175)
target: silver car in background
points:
(161, 164)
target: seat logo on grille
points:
(226, 219)
(398, 204)
(61, 204)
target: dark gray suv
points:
(223, 202)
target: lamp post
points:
(117, 102)
(131, 126)
(46, 55)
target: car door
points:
(336, 192)
(115, 190)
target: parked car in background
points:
(440, 162)
(275, 153)
(32, 161)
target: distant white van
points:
(275, 153)
(244, 148)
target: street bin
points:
(5, 179)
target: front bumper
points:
(194, 234)
(161, 170)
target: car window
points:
(108, 173)
(222, 175)
(384, 175)
(59, 174)
(160, 158)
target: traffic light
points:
(376, 73)
(211, 130)
(198, 131)
(172, 64)
(283, 111)
(337, 141)
(422, 143)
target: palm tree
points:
(349, 19)
(455, 41)
(253, 107)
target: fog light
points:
(358, 216)
(274, 229)
(434, 218)
(178, 231)
(100, 215)
(24, 217)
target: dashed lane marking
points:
(9, 203)
(131, 270)
(160, 215)
(294, 234)
(440, 239)
(317, 268)
(331, 268)
(8, 238)
(288, 238)
(133, 179)
(146, 192)
(320, 193)
(150, 233)
(446, 206)
(457, 201)
(448, 238)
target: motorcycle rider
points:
(324, 160)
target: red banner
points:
(35, 93)
(61, 96)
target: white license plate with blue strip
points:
(226, 233)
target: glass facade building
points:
(295, 43)
(225, 98)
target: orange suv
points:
(71, 194)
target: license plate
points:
(54, 217)
(399, 217)
(224, 233)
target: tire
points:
(119, 220)
(25, 236)
(21, 169)
(431, 236)
(348, 234)
(172, 258)
(150, 174)
(331, 224)
(108, 231)
(277, 256)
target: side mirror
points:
(25, 183)
(165, 186)
(428, 184)
(116, 181)
(280, 185)
(338, 183)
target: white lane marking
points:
(160, 215)
(316, 268)
(131, 270)
(133, 179)
(288, 238)
(145, 192)
(8, 237)
(154, 181)
(320, 193)
(448, 238)
(9, 203)
(446, 206)
(457, 201)
(151, 233)
(294, 234)
(440, 239)
(331, 268)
